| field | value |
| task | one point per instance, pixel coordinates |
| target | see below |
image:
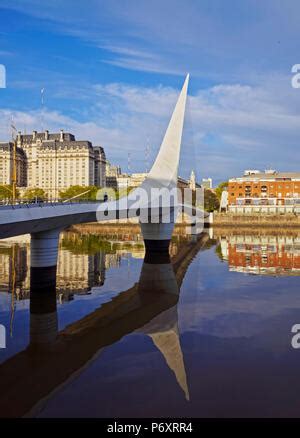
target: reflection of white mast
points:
(159, 280)
(168, 343)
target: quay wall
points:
(256, 220)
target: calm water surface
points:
(210, 337)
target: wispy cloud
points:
(143, 65)
(5, 53)
(175, 36)
(139, 60)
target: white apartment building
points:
(6, 165)
(53, 162)
(134, 180)
(100, 166)
(112, 173)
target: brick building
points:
(264, 188)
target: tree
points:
(6, 192)
(124, 191)
(35, 194)
(211, 201)
(81, 192)
(222, 186)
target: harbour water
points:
(207, 335)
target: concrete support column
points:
(157, 274)
(157, 240)
(158, 278)
(43, 312)
(44, 248)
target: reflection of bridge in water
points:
(82, 261)
(149, 307)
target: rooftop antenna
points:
(147, 155)
(129, 162)
(42, 108)
(13, 128)
(128, 170)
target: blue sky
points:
(112, 71)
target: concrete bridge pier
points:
(158, 278)
(157, 241)
(43, 313)
(157, 284)
(44, 249)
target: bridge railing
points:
(23, 203)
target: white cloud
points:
(228, 128)
(138, 60)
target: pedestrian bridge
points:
(21, 219)
(45, 221)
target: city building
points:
(7, 166)
(100, 166)
(134, 180)
(123, 181)
(112, 173)
(117, 180)
(258, 190)
(52, 162)
(207, 183)
(190, 183)
(56, 161)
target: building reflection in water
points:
(14, 269)
(77, 273)
(263, 255)
(82, 263)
